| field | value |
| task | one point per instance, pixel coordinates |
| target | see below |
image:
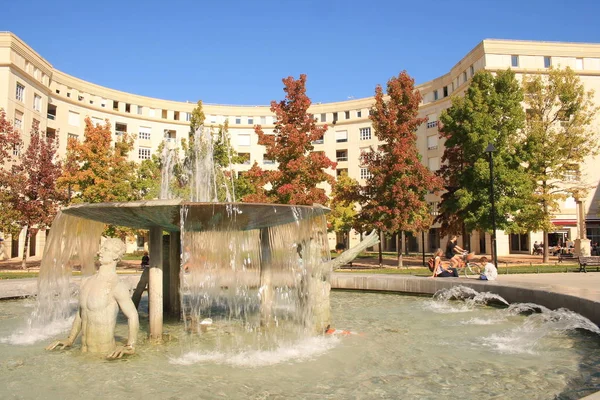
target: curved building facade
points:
(31, 88)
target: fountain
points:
(243, 288)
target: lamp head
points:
(490, 148)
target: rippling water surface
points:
(453, 346)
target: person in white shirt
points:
(489, 270)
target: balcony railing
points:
(342, 158)
(51, 116)
(432, 124)
(120, 133)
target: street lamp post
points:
(490, 150)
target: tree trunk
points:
(545, 249)
(25, 248)
(399, 240)
(465, 238)
(380, 250)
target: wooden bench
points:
(588, 261)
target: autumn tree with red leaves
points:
(394, 196)
(300, 169)
(96, 170)
(10, 141)
(30, 185)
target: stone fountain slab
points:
(200, 216)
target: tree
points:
(10, 139)
(31, 186)
(10, 143)
(96, 170)
(558, 136)
(394, 196)
(343, 203)
(300, 169)
(489, 113)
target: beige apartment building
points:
(30, 88)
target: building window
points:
(514, 61)
(37, 103)
(16, 150)
(341, 155)
(547, 62)
(20, 94)
(267, 161)
(464, 76)
(365, 133)
(115, 105)
(341, 136)
(263, 120)
(80, 98)
(73, 136)
(244, 158)
(433, 163)
(127, 108)
(144, 133)
(18, 120)
(139, 110)
(445, 91)
(434, 208)
(120, 128)
(335, 117)
(68, 94)
(73, 118)
(432, 142)
(359, 114)
(243, 140)
(319, 141)
(250, 121)
(435, 95)
(144, 153)
(323, 117)
(364, 173)
(341, 171)
(432, 124)
(170, 135)
(238, 120)
(472, 70)
(347, 114)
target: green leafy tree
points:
(490, 112)
(300, 169)
(343, 203)
(558, 137)
(394, 196)
(30, 186)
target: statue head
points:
(111, 250)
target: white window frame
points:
(244, 139)
(20, 92)
(341, 136)
(73, 118)
(37, 102)
(144, 153)
(365, 173)
(514, 61)
(432, 142)
(365, 133)
(144, 133)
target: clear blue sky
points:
(236, 52)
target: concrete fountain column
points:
(266, 279)
(174, 301)
(155, 285)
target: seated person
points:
(454, 252)
(439, 269)
(145, 260)
(489, 270)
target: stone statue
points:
(100, 297)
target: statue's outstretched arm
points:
(128, 308)
(68, 342)
(371, 240)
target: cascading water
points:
(258, 282)
(72, 241)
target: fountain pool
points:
(408, 347)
